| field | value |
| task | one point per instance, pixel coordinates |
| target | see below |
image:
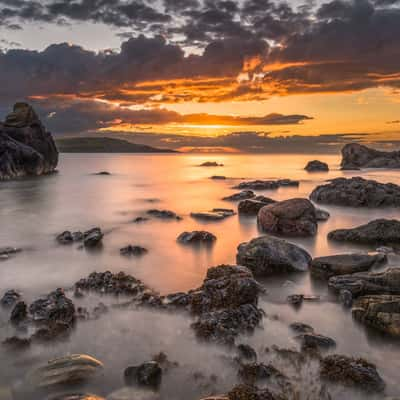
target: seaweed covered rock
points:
(26, 148)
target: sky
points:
(209, 72)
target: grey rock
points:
(92, 238)
(196, 237)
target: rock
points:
(65, 370)
(352, 372)
(211, 164)
(377, 232)
(148, 374)
(26, 148)
(10, 298)
(216, 214)
(322, 215)
(294, 217)
(129, 393)
(267, 255)
(251, 373)
(295, 299)
(163, 214)
(317, 166)
(16, 343)
(246, 353)
(92, 238)
(357, 192)
(300, 327)
(75, 396)
(218, 177)
(258, 185)
(103, 173)
(196, 237)
(253, 206)
(243, 195)
(65, 238)
(343, 264)
(386, 282)
(356, 156)
(385, 250)
(381, 312)
(250, 392)
(314, 341)
(346, 298)
(19, 313)
(6, 251)
(133, 251)
(139, 220)
(288, 182)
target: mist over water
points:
(34, 211)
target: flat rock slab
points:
(196, 237)
(216, 214)
(343, 264)
(243, 195)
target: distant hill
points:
(103, 145)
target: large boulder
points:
(356, 156)
(381, 312)
(357, 192)
(294, 217)
(343, 264)
(316, 166)
(267, 255)
(26, 148)
(377, 232)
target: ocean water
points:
(34, 211)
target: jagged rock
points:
(356, 156)
(196, 237)
(133, 251)
(351, 372)
(267, 255)
(216, 214)
(294, 217)
(148, 374)
(65, 370)
(344, 264)
(381, 312)
(317, 166)
(253, 206)
(10, 298)
(243, 195)
(211, 164)
(163, 214)
(26, 148)
(379, 231)
(357, 192)
(92, 238)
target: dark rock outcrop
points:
(254, 205)
(357, 192)
(266, 184)
(148, 374)
(26, 148)
(164, 214)
(356, 156)
(377, 232)
(9, 298)
(133, 251)
(267, 255)
(243, 195)
(196, 237)
(351, 372)
(316, 166)
(314, 341)
(343, 264)
(294, 217)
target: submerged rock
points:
(103, 173)
(352, 372)
(10, 298)
(243, 195)
(314, 341)
(148, 374)
(377, 232)
(356, 156)
(267, 255)
(357, 192)
(211, 164)
(65, 370)
(316, 166)
(381, 312)
(75, 396)
(196, 237)
(19, 313)
(130, 393)
(253, 206)
(133, 251)
(7, 251)
(92, 238)
(294, 217)
(258, 185)
(163, 214)
(343, 264)
(216, 214)
(218, 177)
(26, 148)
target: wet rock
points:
(250, 392)
(386, 282)
(218, 177)
(16, 343)
(92, 238)
(65, 370)
(26, 148)
(346, 298)
(356, 156)
(379, 231)
(288, 182)
(196, 237)
(251, 373)
(133, 251)
(322, 215)
(68, 237)
(211, 164)
(381, 312)
(253, 206)
(243, 195)
(348, 371)
(103, 173)
(385, 250)
(314, 341)
(317, 166)
(148, 374)
(300, 327)
(294, 217)
(258, 185)
(164, 214)
(357, 192)
(129, 393)
(7, 251)
(19, 313)
(344, 264)
(216, 214)
(246, 353)
(10, 298)
(267, 255)
(298, 299)
(139, 220)
(75, 396)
